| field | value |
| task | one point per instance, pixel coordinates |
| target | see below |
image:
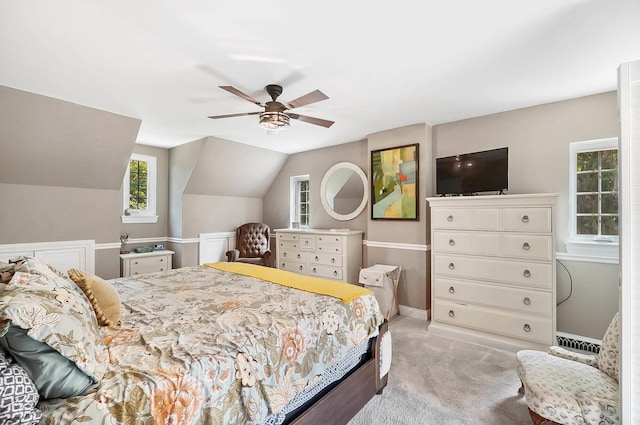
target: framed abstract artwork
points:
(394, 183)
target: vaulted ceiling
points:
(382, 64)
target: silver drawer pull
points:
(450, 218)
(298, 256)
(452, 266)
(284, 254)
(306, 242)
(135, 262)
(161, 269)
(526, 301)
(526, 327)
(335, 272)
(316, 258)
(452, 289)
(452, 242)
(161, 260)
(526, 273)
(314, 269)
(525, 218)
(300, 267)
(451, 313)
(526, 246)
(283, 265)
(333, 260)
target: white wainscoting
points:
(214, 246)
(63, 255)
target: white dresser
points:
(330, 254)
(147, 262)
(493, 276)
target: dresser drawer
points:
(292, 255)
(288, 237)
(330, 249)
(307, 242)
(485, 219)
(477, 243)
(535, 247)
(533, 220)
(149, 265)
(531, 328)
(288, 245)
(524, 273)
(329, 239)
(521, 300)
(449, 241)
(450, 218)
(292, 266)
(325, 272)
(326, 259)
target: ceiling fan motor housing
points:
(274, 91)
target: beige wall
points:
(538, 139)
(414, 289)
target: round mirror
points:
(344, 191)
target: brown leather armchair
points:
(252, 244)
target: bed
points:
(220, 343)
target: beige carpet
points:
(437, 380)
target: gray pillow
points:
(18, 395)
(54, 375)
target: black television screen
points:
(471, 173)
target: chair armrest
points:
(588, 359)
(266, 258)
(233, 255)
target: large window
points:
(300, 201)
(594, 197)
(139, 190)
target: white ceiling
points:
(383, 64)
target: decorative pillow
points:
(54, 376)
(609, 355)
(6, 273)
(56, 312)
(104, 298)
(18, 395)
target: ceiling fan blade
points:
(237, 92)
(314, 96)
(214, 117)
(312, 120)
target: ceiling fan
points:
(276, 115)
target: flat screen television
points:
(472, 173)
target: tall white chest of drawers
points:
(329, 254)
(493, 276)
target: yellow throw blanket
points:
(344, 291)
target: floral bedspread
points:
(202, 346)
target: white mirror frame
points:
(323, 191)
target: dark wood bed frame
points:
(346, 399)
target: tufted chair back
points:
(252, 244)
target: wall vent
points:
(578, 342)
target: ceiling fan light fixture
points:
(274, 121)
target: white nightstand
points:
(146, 262)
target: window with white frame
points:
(594, 198)
(139, 190)
(299, 201)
